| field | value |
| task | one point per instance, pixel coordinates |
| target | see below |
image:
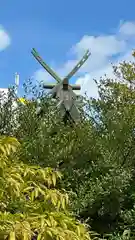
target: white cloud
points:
(128, 28)
(105, 49)
(91, 84)
(4, 39)
(106, 45)
(42, 75)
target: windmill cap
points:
(65, 81)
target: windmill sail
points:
(62, 91)
(44, 65)
(78, 65)
(51, 86)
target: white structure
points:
(4, 91)
(16, 82)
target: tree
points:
(29, 203)
(106, 197)
(96, 158)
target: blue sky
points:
(53, 27)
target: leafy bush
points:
(96, 158)
(30, 205)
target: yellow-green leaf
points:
(12, 235)
(54, 179)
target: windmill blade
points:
(74, 113)
(44, 65)
(49, 86)
(78, 65)
(75, 87)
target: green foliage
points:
(96, 157)
(30, 205)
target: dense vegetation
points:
(94, 163)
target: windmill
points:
(63, 91)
